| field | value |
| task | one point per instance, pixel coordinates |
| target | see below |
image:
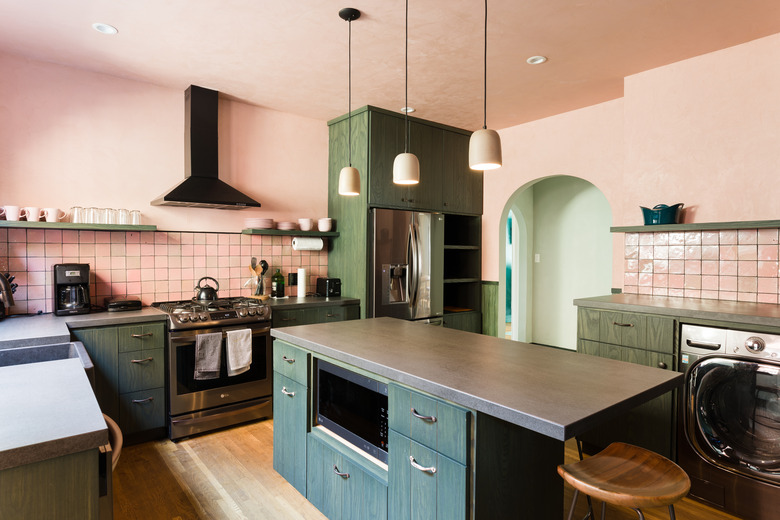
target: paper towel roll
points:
(302, 282)
(307, 243)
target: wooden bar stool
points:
(627, 475)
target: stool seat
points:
(627, 475)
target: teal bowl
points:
(662, 214)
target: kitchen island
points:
(525, 400)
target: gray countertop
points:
(47, 410)
(558, 393)
(745, 313)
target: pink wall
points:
(74, 138)
(702, 131)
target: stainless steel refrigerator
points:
(407, 265)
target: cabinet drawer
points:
(290, 414)
(338, 313)
(438, 425)
(137, 337)
(291, 361)
(140, 411)
(290, 317)
(622, 328)
(423, 483)
(141, 369)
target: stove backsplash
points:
(155, 265)
(736, 265)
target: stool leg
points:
(603, 510)
(590, 502)
(671, 512)
(573, 503)
(639, 512)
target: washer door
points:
(732, 415)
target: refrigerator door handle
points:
(414, 265)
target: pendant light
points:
(485, 144)
(406, 167)
(349, 177)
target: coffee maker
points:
(71, 289)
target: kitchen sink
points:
(52, 352)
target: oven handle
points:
(190, 338)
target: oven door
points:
(187, 394)
(733, 414)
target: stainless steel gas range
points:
(199, 405)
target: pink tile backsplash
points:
(155, 265)
(735, 265)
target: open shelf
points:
(700, 226)
(74, 226)
(290, 232)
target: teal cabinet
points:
(129, 374)
(341, 486)
(642, 339)
(423, 484)
(290, 428)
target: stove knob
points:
(183, 318)
(204, 316)
(242, 312)
(755, 344)
(252, 311)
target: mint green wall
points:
(571, 234)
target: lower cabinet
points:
(423, 483)
(469, 321)
(290, 426)
(309, 315)
(342, 486)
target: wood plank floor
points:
(228, 475)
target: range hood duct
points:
(201, 187)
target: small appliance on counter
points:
(71, 289)
(128, 303)
(328, 286)
(7, 290)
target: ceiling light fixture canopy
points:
(536, 60)
(406, 166)
(349, 177)
(485, 144)
(105, 28)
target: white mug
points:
(31, 214)
(11, 212)
(53, 214)
(306, 223)
(324, 224)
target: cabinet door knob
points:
(289, 360)
(340, 474)
(663, 365)
(415, 465)
(285, 392)
(426, 418)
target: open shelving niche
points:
(462, 263)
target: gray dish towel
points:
(208, 354)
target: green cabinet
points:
(465, 195)
(309, 315)
(641, 339)
(290, 427)
(129, 373)
(469, 321)
(340, 485)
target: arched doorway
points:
(556, 247)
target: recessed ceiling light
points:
(407, 110)
(104, 28)
(536, 60)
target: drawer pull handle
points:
(427, 418)
(141, 360)
(285, 392)
(661, 364)
(337, 472)
(622, 324)
(142, 335)
(142, 401)
(332, 315)
(289, 319)
(414, 464)
(289, 360)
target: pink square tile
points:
(58, 249)
(235, 250)
(747, 236)
(676, 252)
(223, 249)
(768, 236)
(234, 239)
(645, 252)
(161, 261)
(629, 239)
(223, 239)
(728, 283)
(118, 249)
(710, 267)
(678, 293)
(134, 288)
(35, 264)
(133, 249)
(161, 286)
(133, 275)
(645, 290)
(17, 250)
(36, 236)
(660, 291)
(199, 262)
(661, 266)
(631, 252)
(118, 275)
(747, 297)
(161, 249)
(36, 278)
(661, 252)
(212, 250)
(53, 236)
(17, 235)
(147, 262)
(693, 252)
(728, 237)
(709, 295)
(212, 239)
(692, 267)
(693, 281)
(102, 249)
(645, 266)
(646, 239)
(83, 249)
(660, 280)
(710, 283)
(728, 252)
(200, 238)
(147, 249)
(118, 262)
(676, 281)
(38, 249)
(17, 264)
(187, 238)
(147, 286)
(187, 261)
(710, 253)
(147, 237)
(768, 252)
(36, 292)
(133, 262)
(160, 273)
(692, 293)
(661, 238)
(676, 266)
(768, 268)
(174, 238)
(767, 298)
(161, 238)
(70, 236)
(747, 252)
(174, 274)
(693, 238)
(727, 295)
(103, 262)
(118, 237)
(133, 237)
(174, 249)
(747, 268)
(119, 289)
(710, 238)
(102, 237)
(728, 268)
(767, 285)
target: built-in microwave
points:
(352, 406)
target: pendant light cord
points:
(406, 80)
(484, 61)
(349, 102)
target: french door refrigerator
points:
(407, 260)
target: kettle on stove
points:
(206, 292)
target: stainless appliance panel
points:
(407, 264)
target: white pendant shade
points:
(349, 181)
(406, 169)
(485, 150)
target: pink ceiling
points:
(292, 55)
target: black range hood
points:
(201, 187)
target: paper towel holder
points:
(301, 243)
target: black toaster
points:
(328, 286)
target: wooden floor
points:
(228, 475)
